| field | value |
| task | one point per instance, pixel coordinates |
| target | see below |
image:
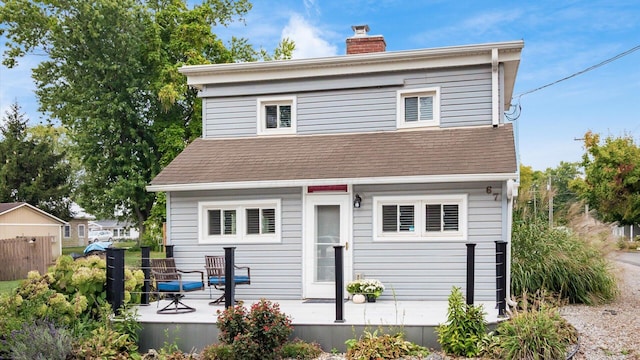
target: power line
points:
(517, 108)
(622, 54)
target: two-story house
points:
(403, 157)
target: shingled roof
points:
(458, 151)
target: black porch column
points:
(471, 271)
(339, 274)
(169, 251)
(115, 278)
(229, 277)
(501, 277)
(145, 264)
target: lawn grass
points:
(132, 259)
(7, 286)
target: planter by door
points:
(358, 299)
(371, 298)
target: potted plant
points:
(371, 288)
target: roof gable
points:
(6, 208)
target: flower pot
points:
(371, 298)
(358, 299)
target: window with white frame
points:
(418, 107)
(81, 231)
(276, 115)
(420, 217)
(239, 221)
(67, 231)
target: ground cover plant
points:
(378, 345)
(561, 262)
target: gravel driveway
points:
(611, 331)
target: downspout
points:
(168, 218)
(495, 88)
(512, 192)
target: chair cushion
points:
(174, 286)
(239, 279)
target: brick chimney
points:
(362, 43)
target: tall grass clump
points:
(535, 331)
(561, 262)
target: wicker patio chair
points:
(214, 264)
(168, 281)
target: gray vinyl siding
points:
(275, 267)
(416, 270)
(346, 105)
(428, 270)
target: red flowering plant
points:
(258, 334)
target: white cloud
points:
(310, 41)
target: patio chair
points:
(169, 282)
(214, 264)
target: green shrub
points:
(383, 346)
(560, 262)
(258, 334)
(536, 332)
(40, 341)
(105, 341)
(301, 350)
(465, 327)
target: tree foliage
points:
(111, 77)
(534, 192)
(612, 178)
(32, 168)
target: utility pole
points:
(550, 203)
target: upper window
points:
(420, 218)
(239, 221)
(276, 115)
(67, 231)
(418, 107)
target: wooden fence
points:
(22, 254)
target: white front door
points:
(327, 224)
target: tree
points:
(112, 80)
(31, 170)
(612, 178)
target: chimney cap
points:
(360, 30)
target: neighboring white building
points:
(121, 230)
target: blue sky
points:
(561, 38)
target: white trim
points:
(23, 224)
(240, 237)
(63, 231)
(402, 94)
(261, 102)
(201, 75)
(495, 91)
(84, 227)
(418, 202)
(265, 184)
(310, 200)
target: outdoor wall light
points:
(357, 201)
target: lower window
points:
(420, 217)
(239, 221)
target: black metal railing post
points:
(169, 251)
(145, 264)
(115, 278)
(339, 274)
(501, 277)
(471, 272)
(229, 277)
